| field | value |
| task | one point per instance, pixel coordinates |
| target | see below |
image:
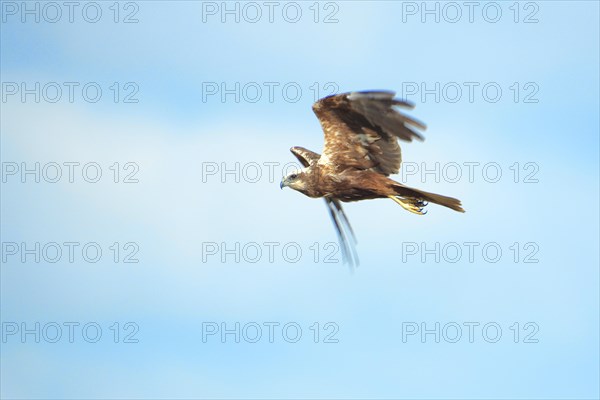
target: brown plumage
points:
(361, 150)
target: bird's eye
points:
(293, 176)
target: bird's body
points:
(361, 150)
(348, 185)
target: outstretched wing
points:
(362, 130)
(306, 157)
(342, 226)
(344, 232)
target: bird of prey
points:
(361, 150)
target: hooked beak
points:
(282, 184)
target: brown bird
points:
(361, 149)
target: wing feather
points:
(344, 232)
(305, 156)
(362, 130)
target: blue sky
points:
(177, 131)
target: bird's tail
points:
(414, 199)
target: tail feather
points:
(445, 201)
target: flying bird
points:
(361, 150)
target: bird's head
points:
(295, 180)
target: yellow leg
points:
(415, 206)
